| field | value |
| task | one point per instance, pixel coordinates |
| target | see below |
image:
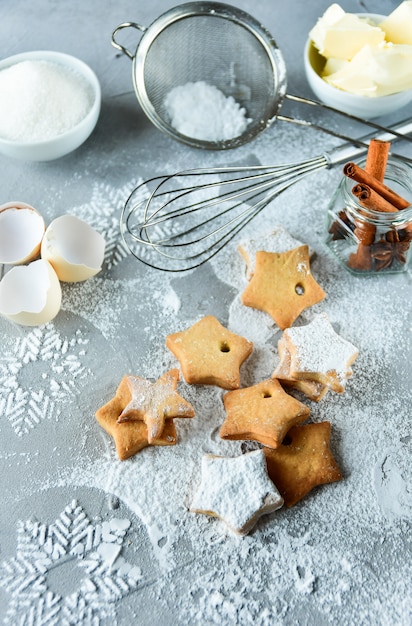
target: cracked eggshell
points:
(74, 249)
(30, 294)
(21, 232)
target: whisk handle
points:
(351, 151)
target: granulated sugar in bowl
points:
(49, 106)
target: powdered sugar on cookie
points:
(278, 240)
(283, 285)
(313, 389)
(317, 352)
(141, 413)
(155, 402)
(237, 490)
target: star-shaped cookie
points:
(283, 285)
(318, 353)
(302, 462)
(313, 389)
(276, 240)
(236, 490)
(155, 402)
(263, 413)
(132, 436)
(209, 354)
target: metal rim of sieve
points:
(216, 10)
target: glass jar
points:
(367, 241)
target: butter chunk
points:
(376, 71)
(398, 25)
(332, 15)
(319, 32)
(341, 35)
(333, 65)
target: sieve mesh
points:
(219, 50)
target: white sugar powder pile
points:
(41, 100)
(202, 111)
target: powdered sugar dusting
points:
(278, 240)
(237, 490)
(58, 360)
(95, 548)
(317, 348)
(154, 402)
(392, 477)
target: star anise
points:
(399, 235)
(390, 249)
(340, 227)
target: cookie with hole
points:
(263, 413)
(283, 285)
(276, 240)
(302, 462)
(210, 354)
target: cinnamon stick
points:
(372, 200)
(356, 173)
(362, 258)
(376, 160)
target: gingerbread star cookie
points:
(312, 389)
(318, 353)
(209, 354)
(155, 402)
(302, 462)
(236, 490)
(263, 413)
(277, 240)
(283, 285)
(132, 436)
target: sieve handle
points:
(122, 26)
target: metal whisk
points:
(178, 222)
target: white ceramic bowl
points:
(68, 141)
(361, 106)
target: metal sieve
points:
(211, 42)
(221, 45)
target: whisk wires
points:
(188, 217)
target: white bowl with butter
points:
(352, 87)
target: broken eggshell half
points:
(73, 248)
(21, 233)
(30, 294)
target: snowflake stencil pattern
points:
(103, 213)
(94, 548)
(58, 364)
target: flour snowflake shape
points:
(102, 213)
(105, 576)
(58, 364)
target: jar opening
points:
(398, 177)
